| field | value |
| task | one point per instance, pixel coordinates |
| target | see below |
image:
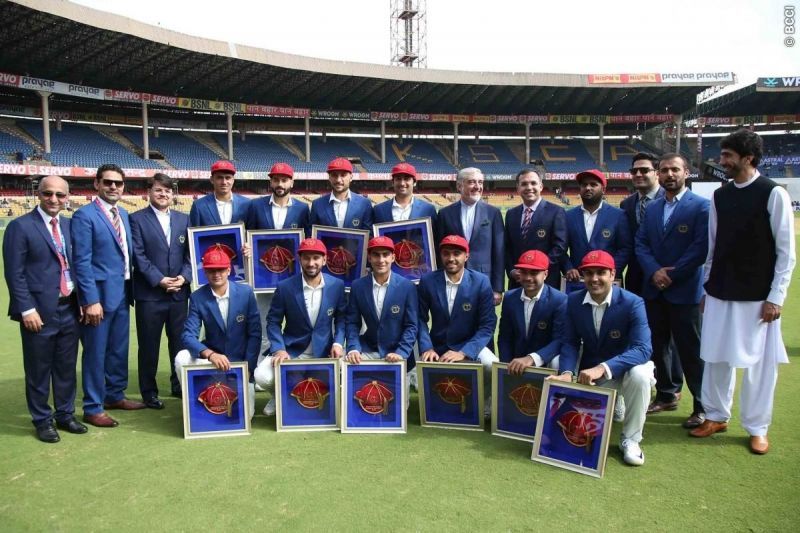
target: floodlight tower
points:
(408, 27)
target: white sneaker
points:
(631, 452)
(269, 409)
(487, 409)
(619, 409)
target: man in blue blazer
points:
(536, 224)
(102, 249)
(387, 304)
(611, 324)
(162, 272)
(532, 317)
(595, 225)
(279, 210)
(306, 319)
(672, 244)
(37, 254)
(460, 304)
(481, 225)
(404, 205)
(342, 207)
(229, 314)
(222, 206)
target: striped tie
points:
(116, 221)
(643, 201)
(526, 222)
(60, 252)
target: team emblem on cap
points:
(374, 398)
(356, 222)
(683, 228)
(542, 324)
(606, 233)
(593, 256)
(466, 306)
(239, 318)
(277, 259)
(541, 233)
(218, 399)
(311, 393)
(614, 334)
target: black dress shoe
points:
(72, 426)
(47, 433)
(176, 393)
(154, 403)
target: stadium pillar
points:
(307, 128)
(45, 119)
(230, 134)
(455, 144)
(527, 143)
(678, 122)
(602, 127)
(145, 133)
(383, 141)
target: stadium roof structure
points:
(59, 40)
(767, 96)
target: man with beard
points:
(751, 255)
(222, 206)
(101, 249)
(671, 245)
(161, 276)
(306, 319)
(609, 325)
(480, 224)
(341, 207)
(536, 224)
(595, 225)
(532, 320)
(404, 205)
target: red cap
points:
(404, 168)
(593, 173)
(533, 260)
(281, 169)
(223, 166)
(312, 245)
(597, 258)
(380, 242)
(218, 256)
(340, 163)
(456, 241)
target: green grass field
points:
(143, 476)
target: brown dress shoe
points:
(658, 406)
(101, 420)
(759, 445)
(708, 428)
(694, 421)
(126, 405)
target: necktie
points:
(60, 253)
(643, 201)
(116, 221)
(526, 222)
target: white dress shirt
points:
(279, 212)
(589, 220)
(223, 302)
(163, 219)
(122, 234)
(379, 293)
(451, 288)
(313, 299)
(598, 311)
(340, 208)
(467, 218)
(533, 209)
(527, 305)
(400, 212)
(225, 210)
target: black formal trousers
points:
(49, 358)
(679, 324)
(151, 319)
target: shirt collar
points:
(748, 182)
(45, 216)
(652, 194)
(334, 199)
(524, 298)
(107, 206)
(448, 282)
(586, 212)
(376, 284)
(467, 206)
(309, 287)
(395, 204)
(607, 301)
(272, 201)
(224, 296)
(158, 212)
(223, 202)
(677, 196)
(534, 207)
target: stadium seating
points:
(617, 154)
(179, 150)
(491, 156)
(10, 146)
(562, 155)
(257, 153)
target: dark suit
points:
(99, 265)
(154, 259)
(259, 215)
(546, 326)
(358, 215)
(419, 209)
(485, 243)
(33, 274)
(204, 210)
(630, 205)
(611, 233)
(674, 312)
(395, 330)
(547, 233)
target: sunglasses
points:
(48, 194)
(111, 183)
(641, 170)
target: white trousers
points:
(755, 397)
(185, 358)
(264, 374)
(635, 386)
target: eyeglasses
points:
(641, 170)
(111, 183)
(48, 194)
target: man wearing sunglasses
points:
(101, 243)
(38, 258)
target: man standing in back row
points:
(222, 206)
(341, 208)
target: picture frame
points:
(574, 427)
(273, 258)
(451, 395)
(215, 403)
(347, 252)
(516, 400)
(374, 397)
(307, 395)
(572, 286)
(202, 237)
(414, 247)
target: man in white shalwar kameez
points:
(749, 265)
